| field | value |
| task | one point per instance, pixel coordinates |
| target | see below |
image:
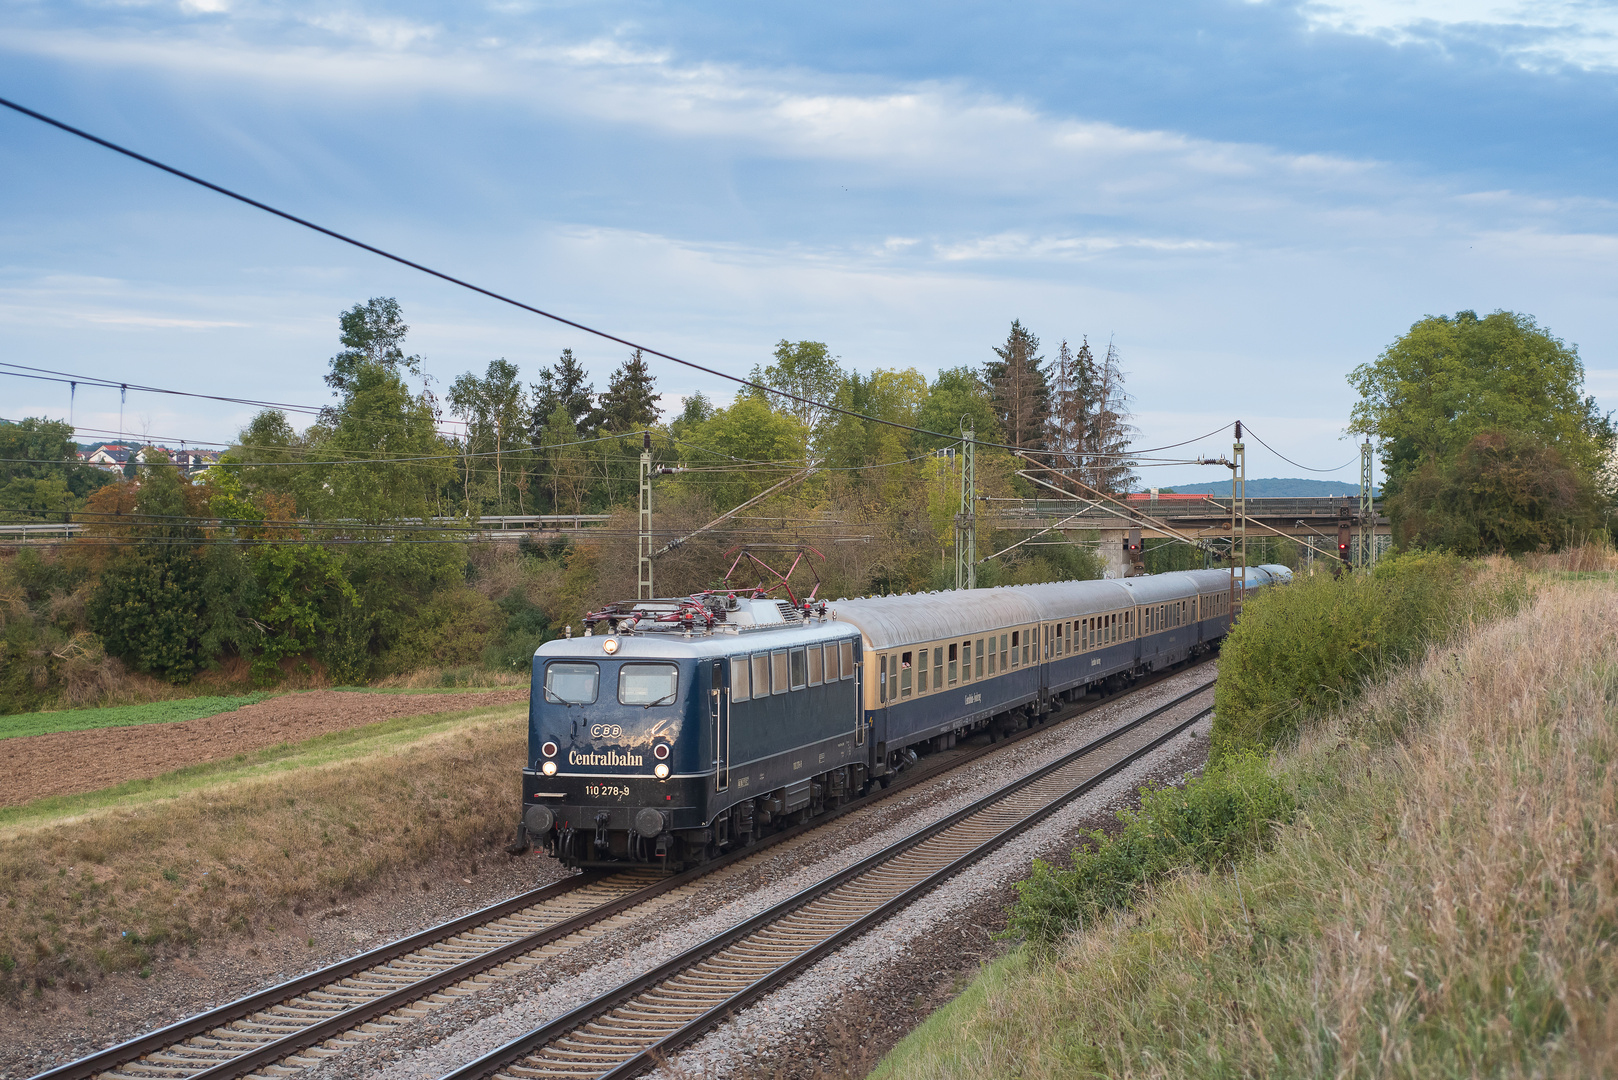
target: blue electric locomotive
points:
(692, 726)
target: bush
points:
(1313, 643)
(1210, 823)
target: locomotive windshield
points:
(648, 684)
(571, 684)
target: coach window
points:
(952, 662)
(882, 678)
(846, 653)
(817, 665)
(1002, 652)
(938, 668)
(738, 678)
(966, 661)
(799, 669)
(906, 674)
(779, 670)
(571, 684)
(921, 671)
(991, 654)
(977, 668)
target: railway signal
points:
(1344, 523)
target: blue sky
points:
(1248, 198)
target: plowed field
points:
(70, 762)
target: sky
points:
(1247, 198)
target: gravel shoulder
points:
(74, 762)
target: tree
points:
(1504, 492)
(40, 473)
(630, 402)
(1107, 432)
(1447, 380)
(370, 333)
(496, 413)
(1021, 391)
(806, 370)
(1073, 379)
(566, 385)
(955, 394)
(740, 437)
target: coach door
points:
(719, 710)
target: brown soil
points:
(71, 762)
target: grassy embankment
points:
(110, 880)
(1442, 901)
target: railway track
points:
(637, 1024)
(296, 1023)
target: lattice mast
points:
(1367, 511)
(645, 542)
(966, 526)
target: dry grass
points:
(1445, 906)
(1592, 556)
(115, 886)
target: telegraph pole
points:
(1367, 514)
(966, 522)
(645, 544)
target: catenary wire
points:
(1294, 464)
(490, 293)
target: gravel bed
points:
(467, 1029)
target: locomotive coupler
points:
(602, 842)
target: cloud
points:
(1537, 34)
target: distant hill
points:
(1277, 488)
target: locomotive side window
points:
(952, 662)
(571, 684)
(648, 684)
(800, 670)
(761, 675)
(778, 672)
(921, 672)
(978, 669)
(905, 674)
(817, 665)
(738, 678)
(847, 654)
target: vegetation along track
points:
(633, 1026)
(358, 997)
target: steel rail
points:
(318, 1030)
(645, 1055)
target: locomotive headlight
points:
(661, 771)
(661, 751)
(610, 646)
(549, 768)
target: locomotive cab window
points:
(817, 665)
(738, 678)
(648, 684)
(571, 684)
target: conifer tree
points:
(630, 403)
(1021, 389)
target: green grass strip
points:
(154, 712)
(334, 746)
